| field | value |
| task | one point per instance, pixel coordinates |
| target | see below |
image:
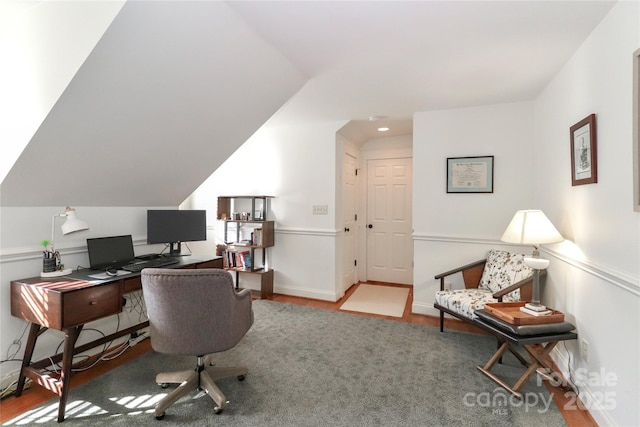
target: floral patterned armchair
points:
(502, 276)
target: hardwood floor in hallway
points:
(11, 407)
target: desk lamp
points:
(532, 227)
(71, 225)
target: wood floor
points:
(11, 407)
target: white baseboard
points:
(428, 310)
(305, 293)
(593, 401)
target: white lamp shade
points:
(531, 227)
(73, 223)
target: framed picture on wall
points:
(584, 153)
(636, 130)
(470, 174)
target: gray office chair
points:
(195, 312)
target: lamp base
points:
(56, 273)
(535, 307)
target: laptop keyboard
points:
(136, 267)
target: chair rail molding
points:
(35, 252)
(326, 232)
(617, 278)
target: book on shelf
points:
(536, 313)
(235, 259)
(246, 259)
(257, 236)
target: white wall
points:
(597, 286)
(21, 256)
(296, 165)
(45, 42)
(595, 278)
(451, 229)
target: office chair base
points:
(203, 378)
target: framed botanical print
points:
(584, 153)
(636, 130)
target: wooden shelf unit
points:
(248, 214)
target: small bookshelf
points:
(248, 233)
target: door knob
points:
(370, 226)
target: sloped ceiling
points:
(169, 92)
(395, 58)
(174, 87)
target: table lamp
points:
(71, 225)
(532, 227)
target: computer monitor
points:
(110, 252)
(175, 226)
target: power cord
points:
(572, 383)
(136, 305)
(12, 351)
(16, 342)
(10, 388)
(88, 361)
(167, 246)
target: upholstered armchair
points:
(502, 276)
(195, 312)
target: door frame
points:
(350, 257)
(395, 147)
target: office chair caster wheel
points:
(217, 410)
(241, 377)
(159, 417)
(163, 385)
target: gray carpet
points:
(313, 367)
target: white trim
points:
(304, 292)
(426, 309)
(617, 278)
(620, 279)
(596, 410)
(454, 239)
(307, 231)
(29, 253)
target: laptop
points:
(110, 252)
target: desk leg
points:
(70, 338)
(34, 331)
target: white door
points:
(389, 223)
(349, 215)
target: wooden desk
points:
(66, 304)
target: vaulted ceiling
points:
(172, 88)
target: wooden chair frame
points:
(471, 274)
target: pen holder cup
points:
(48, 265)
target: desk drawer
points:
(89, 304)
(132, 284)
(215, 263)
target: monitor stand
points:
(175, 249)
